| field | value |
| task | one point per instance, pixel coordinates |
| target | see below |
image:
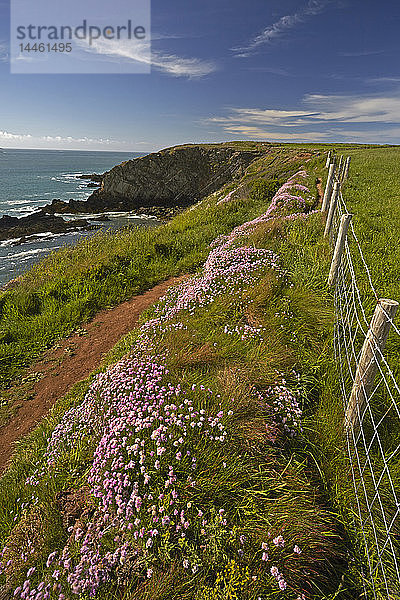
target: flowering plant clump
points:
(143, 478)
(245, 332)
(227, 270)
(223, 273)
(281, 205)
(149, 441)
(285, 403)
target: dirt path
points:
(74, 359)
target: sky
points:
(222, 70)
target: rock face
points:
(39, 222)
(159, 184)
(177, 176)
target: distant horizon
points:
(255, 141)
(76, 150)
(292, 71)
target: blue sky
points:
(272, 70)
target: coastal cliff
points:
(173, 177)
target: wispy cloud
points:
(322, 108)
(383, 80)
(361, 53)
(282, 26)
(278, 118)
(171, 64)
(259, 133)
(320, 117)
(355, 109)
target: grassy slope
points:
(262, 487)
(302, 314)
(71, 285)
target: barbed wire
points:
(373, 439)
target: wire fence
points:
(370, 387)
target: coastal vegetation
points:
(70, 286)
(205, 457)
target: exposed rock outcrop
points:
(159, 184)
(177, 176)
(93, 177)
(38, 222)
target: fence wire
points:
(373, 445)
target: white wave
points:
(19, 202)
(144, 217)
(11, 242)
(27, 254)
(68, 176)
(75, 216)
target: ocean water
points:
(32, 178)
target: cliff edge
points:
(176, 176)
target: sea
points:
(30, 179)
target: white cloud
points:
(325, 118)
(281, 118)
(383, 80)
(321, 108)
(355, 109)
(284, 24)
(27, 140)
(358, 53)
(258, 133)
(171, 64)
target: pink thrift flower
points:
(282, 584)
(279, 541)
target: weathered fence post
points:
(340, 166)
(328, 159)
(368, 364)
(332, 208)
(346, 168)
(339, 247)
(342, 170)
(328, 188)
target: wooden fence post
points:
(342, 170)
(368, 364)
(339, 247)
(346, 168)
(328, 159)
(332, 208)
(340, 165)
(328, 188)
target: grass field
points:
(372, 195)
(241, 489)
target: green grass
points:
(301, 487)
(73, 284)
(265, 487)
(372, 195)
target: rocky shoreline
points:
(159, 184)
(18, 229)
